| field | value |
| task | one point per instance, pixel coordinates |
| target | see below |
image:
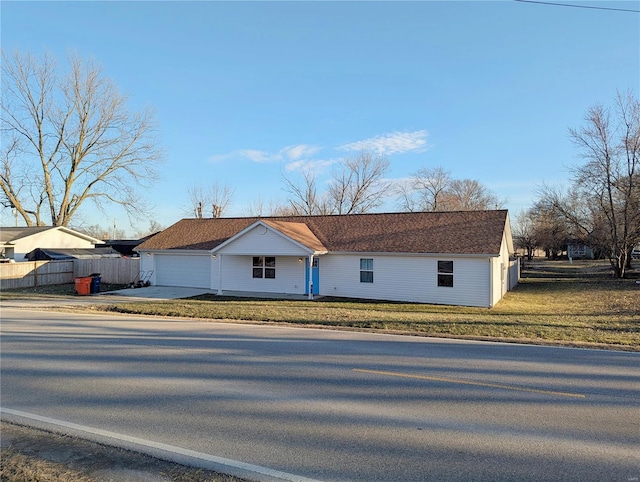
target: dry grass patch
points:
(18, 467)
(567, 308)
(33, 455)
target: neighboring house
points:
(15, 243)
(455, 258)
(577, 249)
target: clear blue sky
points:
(244, 92)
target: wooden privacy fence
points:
(112, 270)
(31, 274)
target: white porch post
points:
(310, 277)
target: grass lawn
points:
(555, 302)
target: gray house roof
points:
(8, 235)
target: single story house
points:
(455, 258)
(15, 243)
(577, 249)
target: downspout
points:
(310, 277)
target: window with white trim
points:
(445, 274)
(264, 267)
(366, 270)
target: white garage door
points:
(183, 270)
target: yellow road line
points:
(469, 382)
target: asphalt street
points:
(296, 403)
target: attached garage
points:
(183, 270)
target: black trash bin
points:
(95, 283)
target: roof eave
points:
(408, 254)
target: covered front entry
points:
(315, 277)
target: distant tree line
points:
(601, 208)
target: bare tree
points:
(356, 186)
(273, 207)
(603, 204)
(69, 139)
(255, 209)
(101, 232)
(424, 191)
(212, 200)
(433, 189)
(524, 233)
(304, 198)
(152, 228)
(468, 195)
(550, 228)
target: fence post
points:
(35, 274)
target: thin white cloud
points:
(393, 143)
(291, 153)
(250, 154)
(315, 165)
(298, 152)
(255, 155)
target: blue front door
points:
(315, 276)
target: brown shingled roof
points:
(459, 232)
(299, 232)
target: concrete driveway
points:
(149, 293)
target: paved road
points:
(329, 405)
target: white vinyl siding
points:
(500, 267)
(238, 275)
(407, 278)
(237, 263)
(183, 270)
(261, 241)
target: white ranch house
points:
(455, 258)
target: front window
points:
(366, 270)
(445, 273)
(264, 267)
